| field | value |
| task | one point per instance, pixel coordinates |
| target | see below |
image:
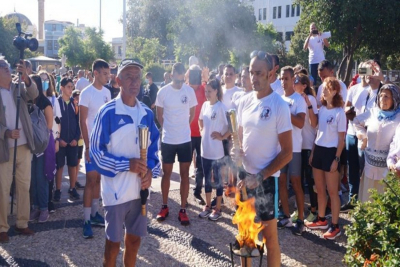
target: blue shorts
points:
(89, 166)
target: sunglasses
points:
(262, 56)
(297, 80)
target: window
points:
(293, 9)
(279, 37)
(260, 14)
(50, 45)
(264, 13)
(298, 11)
(55, 44)
(288, 36)
(119, 51)
(47, 27)
(287, 11)
(274, 14)
(279, 12)
(53, 27)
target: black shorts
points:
(184, 152)
(227, 147)
(80, 152)
(323, 158)
(71, 152)
(266, 196)
(343, 157)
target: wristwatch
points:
(337, 159)
(309, 107)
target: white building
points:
(53, 30)
(283, 14)
(116, 44)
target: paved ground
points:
(59, 241)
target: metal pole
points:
(100, 17)
(124, 30)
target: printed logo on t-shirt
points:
(330, 120)
(214, 115)
(184, 99)
(105, 99)
(291, 103)
(265, 113)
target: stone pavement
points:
(59, 241)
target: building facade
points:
(53, 30)
(116, 45)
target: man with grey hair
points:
(82, 82)
(25, 146)
(167, 79)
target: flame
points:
(244, 218)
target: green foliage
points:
(147, 50)
(374, 236)
(157, 70)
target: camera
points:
(315, 32)
(364, 71)
(22, 42)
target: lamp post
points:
(124, 29)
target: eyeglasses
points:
(262, 56)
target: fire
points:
(248, 229)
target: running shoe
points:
(333, 232)
(34, 215)
(206, 212)
(183, 218)
(87, 230)
(97, 219)
(73, 194)
(199, 199)
(215, 215)
(51, 207)
(299, 227)
(57, 195)
(44, 216)
(78, 185)
(346, 208)
(318, 224)
(162, 214)
(294, 216)
(214, 202)
(285, 222)
(311, 217)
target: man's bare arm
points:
(160, 115)
(192, 109)
(83, 113)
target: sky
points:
(87, 11)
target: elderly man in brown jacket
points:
(25, 146)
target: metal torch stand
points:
(260, 248)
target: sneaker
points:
(51, 207)
(44, 216)
(294, 216)
(318, 224)
(206, 212)
(183, 218)
(311, 217)
(57, 195)
(299, 227)
(285, 222)
(163, 214)
(215, 215)
(87, 230)
(332, 233)
(34, 215)
(73, 194)
(346, 208)
(97, 220)
(230, 190)
(78, 185)
(199, 199)
(214, 202)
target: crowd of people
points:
(322, 138)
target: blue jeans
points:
(39, 184)
(214, 166)
(196, 145)
(313, 71)
(354, 164)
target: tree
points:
(147, 51)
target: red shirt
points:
(201, 98)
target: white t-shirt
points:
(81, 84)
(237, 96)
(262, 121)
(11, 113)
(331, 122)
(297, 105)
(308, 132)
(228, 95)
(176, 104)
(214, 120)
(316, 50)
(56, 113)
(357, 96)
(93, 99)
(343, 93)
(277, 87)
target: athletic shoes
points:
(333, 232)
(294, 216)
(51, 207)
(318, 224)
(162, 214)
(285, 222)
(299, 227)
(346, 208)
(97, 220)
(87, 230)
(215, 215)
(214, 202)
(311, 217)
(57, 195)
(78, 185)
(199, 199)
(73, 194)
(183, 218)
(206, 212)
(44, 216)
(34, 215)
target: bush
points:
(157, 70)
(374, 236)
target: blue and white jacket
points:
(113, 141)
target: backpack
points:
(40, 131)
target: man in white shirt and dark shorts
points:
(176, 103)
(90, 101)
(265, 131)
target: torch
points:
(143, 144)
(236, 146)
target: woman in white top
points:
(393, 160)
(213, 128)
(376, 130)
(325, 156)
(309, 131)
